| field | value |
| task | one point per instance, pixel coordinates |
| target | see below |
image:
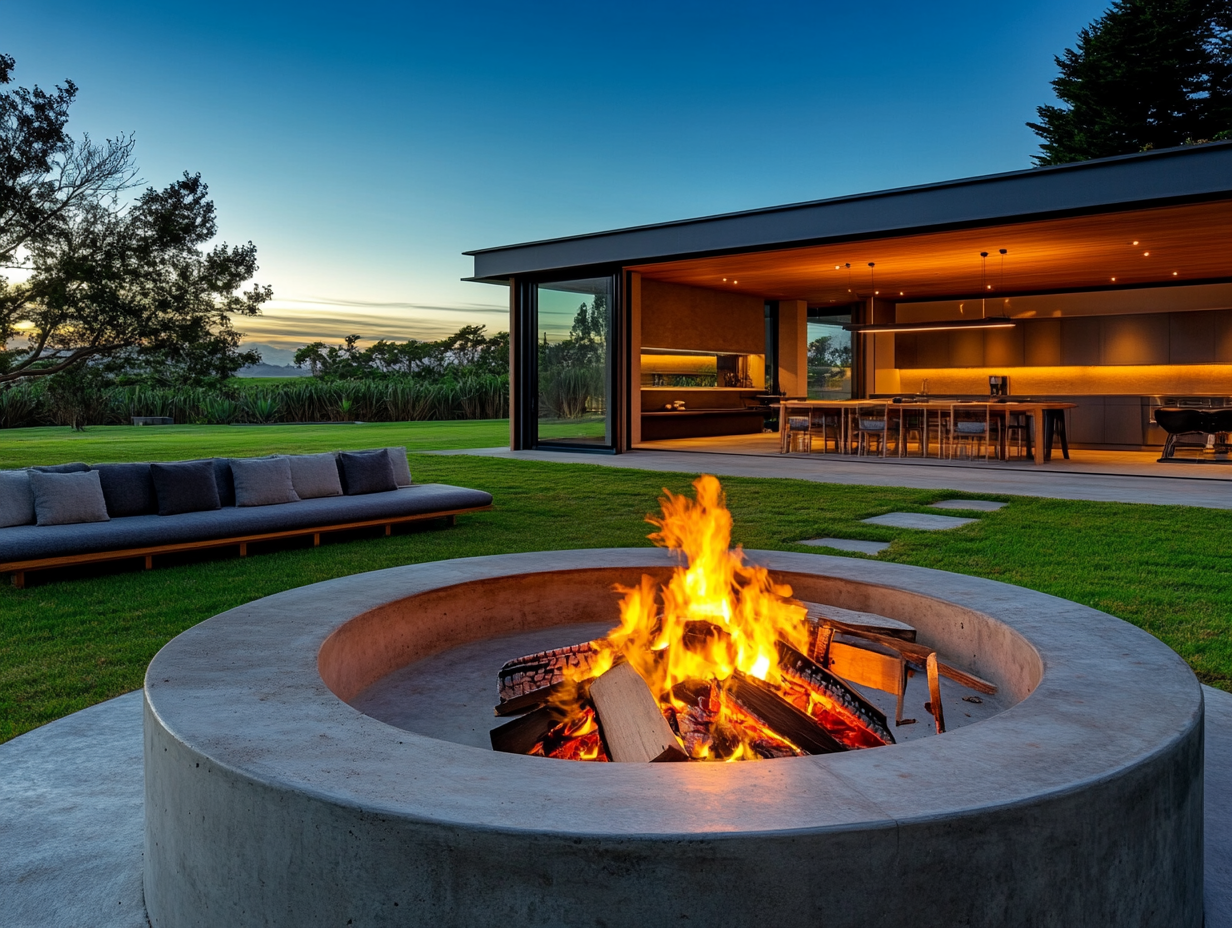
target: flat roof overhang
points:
(1065, 227)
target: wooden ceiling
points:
(1112, 250)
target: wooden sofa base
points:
(19, 569)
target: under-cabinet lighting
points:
(994, 323)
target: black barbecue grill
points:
(1194, 427)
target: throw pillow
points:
(402, 467)
(128, 489)
(185, 486)
(315, 475)
(68, 498)
(366, 472)
(262, 481)
(17, 498)
(76, 468)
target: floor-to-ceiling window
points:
(829, 355)
(574, 339)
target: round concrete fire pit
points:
(271, 801)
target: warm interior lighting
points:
(1094, 380)
(1135, 242)
(1146, 254)
(993, 323)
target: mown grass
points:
(76, 638)
(112, 443)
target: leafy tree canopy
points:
(1147, 74)
(468, 350)
(129, 288)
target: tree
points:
(1147, 74)
(136, 286)
(129, 284)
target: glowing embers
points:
(719, 663)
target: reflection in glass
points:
(574, 362)
(829, 357)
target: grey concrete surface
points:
(920, 521)
(1051, 481)
(450, 695)
(37, 880)
(969, 505)
(848, 544)
(271, 801)
(71, 796)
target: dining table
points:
(1036, 409)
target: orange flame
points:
(715, 616)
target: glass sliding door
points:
(574, 336)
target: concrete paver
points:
(848, 544)
(920, 521)
(970, 505)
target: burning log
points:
(521, 735)
(543, 669)
(534, 699)
(633, 727)
(798, 727)
(846, 714)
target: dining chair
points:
(797, 436)
(826, 422)
(972, 425)
(871, 426)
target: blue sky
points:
(364, 147)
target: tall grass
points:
(472, 396)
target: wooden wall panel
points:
(1004, 347)
(1223, 336)
(933, 349)
(1191, 338)
(1134, 339)
(1041, 342)
(905, 344)
(675, 316)
(1080, 341)
(967, 348)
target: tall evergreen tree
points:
(1147, 74)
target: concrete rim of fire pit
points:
(272, 801)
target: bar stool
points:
(1018, 431)
(1054, 426)
(797, 433)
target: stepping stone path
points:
(971, 505)
(918, 520)
(848, 544)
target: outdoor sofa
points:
(77, 513)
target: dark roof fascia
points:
(1157, 178)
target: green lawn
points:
(74, 639)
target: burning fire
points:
(716, 617)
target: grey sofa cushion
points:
(24, 542)
(74, 468)
(314, 475)
(366, 472)
(68, 498)
(185, 486)
(128, 489)
(397, 460)
(262, 481)
(17, 497)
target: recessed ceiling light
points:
(1174, 273)
(1135, 242)
(1114, 280)
(900, 293)
(1146, 254)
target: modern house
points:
(1105, 283)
